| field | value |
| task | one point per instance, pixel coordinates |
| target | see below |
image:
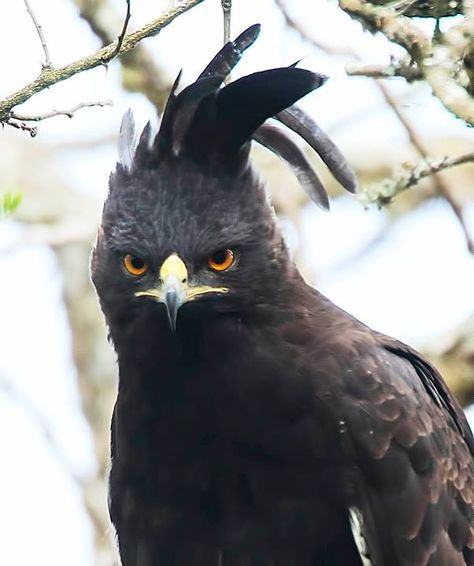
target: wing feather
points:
(412, 470)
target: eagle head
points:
(187, 225)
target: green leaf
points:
(9, 202)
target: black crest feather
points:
(213, 124)
(228, 119)
(296, 120)
(228, 57)
(276, 140)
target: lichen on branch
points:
(383, 192)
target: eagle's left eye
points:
(221, 260)
(135, 265)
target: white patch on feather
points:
(356, 521)
(127, 143)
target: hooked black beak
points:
(173, 299)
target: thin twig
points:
(410, 72)
(39, 30)
(140, 72)
(122, 34)
(51, 76)
(32, 130)
(227, 13)
(69, 113)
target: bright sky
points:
(416, 283)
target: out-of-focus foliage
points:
(9, 202)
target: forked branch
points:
(50, 76)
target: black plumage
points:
(256, 423)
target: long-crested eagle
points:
(256, 423)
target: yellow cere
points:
(174, 265)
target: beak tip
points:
(172, 324)
(172, 303)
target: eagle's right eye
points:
(135, 265)
(222, 260)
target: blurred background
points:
(404, 269)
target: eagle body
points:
(215, 465)
(256, 423)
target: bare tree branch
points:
(435, 62)
(405, 69)
(383, 193)
(433, 71)
(51, 76)
(47, 64)
(19, 121)
(438, 181)
(409, 72)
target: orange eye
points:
(221, 260)
(135, 265)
